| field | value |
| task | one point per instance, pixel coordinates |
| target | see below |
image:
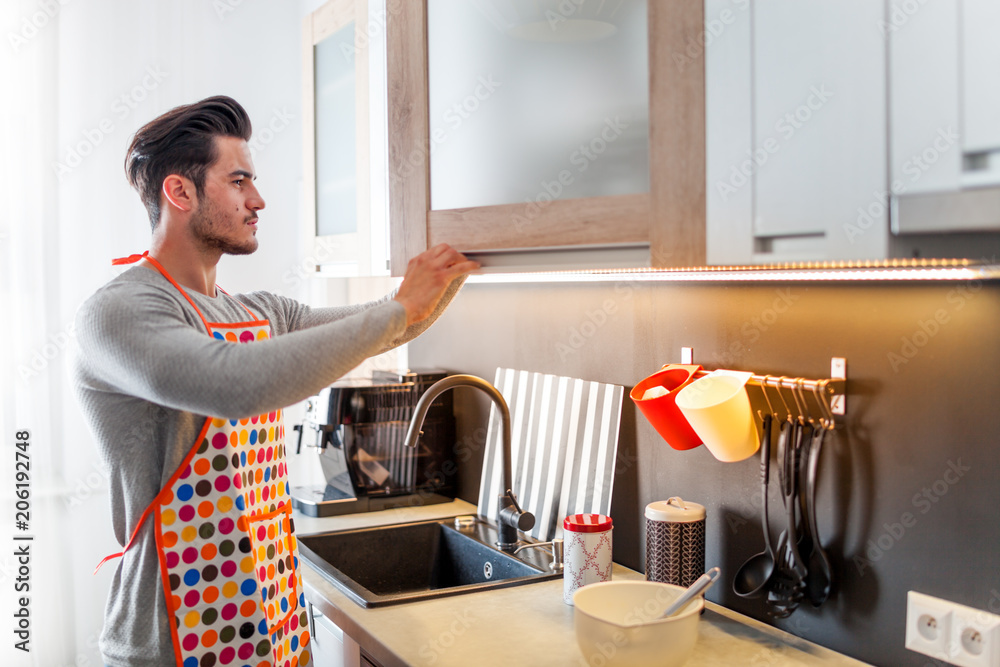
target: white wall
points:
(81, 76)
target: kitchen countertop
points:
(522, 625)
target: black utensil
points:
(752, 578)
(819, 577)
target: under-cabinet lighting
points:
(888, 270)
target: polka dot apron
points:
(224, 536)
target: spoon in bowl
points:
(700, 585)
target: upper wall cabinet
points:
(344, 84)
(547, 124)
(851, 129)
(945, 167)
(796, 130)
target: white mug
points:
(718, 409)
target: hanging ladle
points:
(819, 579)
(752, 578)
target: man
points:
(189, 419)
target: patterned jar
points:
(675, 541)
(587, 557)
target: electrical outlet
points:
(952, 632)
(928, 625)
(975, 638)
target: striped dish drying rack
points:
(564, 442)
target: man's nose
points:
(255, 202)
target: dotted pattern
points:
(587, 560)
(675, 551)
(229, 546)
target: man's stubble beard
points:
(205, 228)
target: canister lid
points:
(676, 510)
(587, 523)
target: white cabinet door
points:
(819, 111)
(925, 155)
(331, 647)
(980, 52)
(796, 113)
(944, 115)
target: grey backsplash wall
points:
(910, 485)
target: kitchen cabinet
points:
(944, 115)
(331, 646)
(796, 131)
(851, 130)
(545, 125)
(767, 132)
(344, 171)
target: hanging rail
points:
(832, 390)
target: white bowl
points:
(616, 624)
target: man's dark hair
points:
(181, 141)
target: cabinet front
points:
(527, 125)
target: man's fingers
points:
(462, 268)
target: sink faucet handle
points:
(557, 552)
(512, 514)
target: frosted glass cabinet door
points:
(336, 153)
(531, 100)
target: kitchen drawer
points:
(331, 647)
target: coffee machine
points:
(357, 429)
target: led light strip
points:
(931, 270)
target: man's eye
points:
(239, 181)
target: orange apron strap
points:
(131, 259)
(250, 312)
(166, 488)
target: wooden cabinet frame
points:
(671, 217)
(340, 249)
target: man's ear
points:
(180, 192)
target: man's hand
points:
(427, 278)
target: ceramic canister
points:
(587, 555)
(675, 541)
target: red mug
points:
(662, 411)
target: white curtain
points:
(77, 78)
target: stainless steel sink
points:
(418, 561)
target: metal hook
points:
(763, 388)
(778, 386)
(828, 421)
(805, 415)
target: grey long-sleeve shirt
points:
(147, 374)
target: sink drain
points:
(488, 570)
